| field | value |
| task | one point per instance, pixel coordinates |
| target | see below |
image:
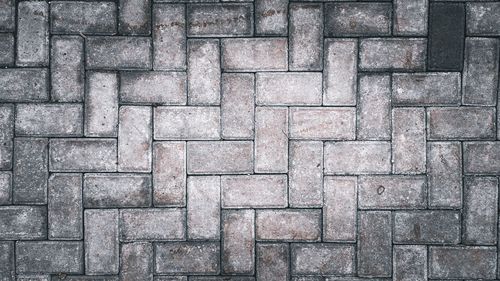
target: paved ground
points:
(265, 140)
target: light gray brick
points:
(101, 242)
(203, 207)
(271, 17)
(322, 259)
(7, 15)
(187, 257)
(358, 19)
(480, 84)
(340, 71)
(51, 120)
(135, 139)
(339, 209)
(306, 36)
(137, 261)
(238, 241)
(101, 105)
(374, 244)
(83, 17)
(169, 39)
(153, 87)
(83, 155)
(220, 157)
(356, 157)
(219, 20)
(427, 227)
(67, 69)
(421, 89)
(254, 191)
(254, 54)
(65, 210)
(408, 140)
(480, 213)
(410, 18)
(392, 54)
(109, 190)
(23, 222)
(461, 123)
(203, 70)
(305, 185)
(152, 224)
(337, 123)
(410, 263)
(220, 278)
(237, 105)
(482, 19)
(285, 88)
(49, 257)
(272, 261)
(24, 84)
(84, 278)
(462, 262)
(7, 49)
(34, 277)
(5, 187)
(186, 123)
(444, 174)
(271, 140)
(481, 158)
(290, 225)
(30, 171)
(7, 135)
(134, 17)
(32, 33)
(374, 108)
(118, 52)
(169, 174)
(171, 278)
(392, 192)
(7, 261)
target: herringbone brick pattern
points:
(174, 140)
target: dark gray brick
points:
(169, 37)
(118, 52)
(340, 199)
(137, 261)
(78, 155)
(152, 224)
(374, 107)
(67, 69)
(220, 157)
(238, 241)
(32, 33)
(427, 227)
(392, 192)
(410, 263)
(410, 17)
(135, 138)
(204, 71)
(65, 208)
(219, 20)
(444, 174)
(7, 261)
(24, 84)
(6, 49)
(49, 257)
(358, 19)
(272, 261)
(153, 87)
(254, 191)
(83, 17)
(322, 259)
(101, 104)
(305, 174)
(374, 244)
(408, 140)
(271, 17)
(7, 135)
(340, 71)
(237, 105)
(462, 262)
(7, 15)
(51, 120)
(220, 278)
(254, 54)
(481, 158)
(357, 157)
(288, 225)
(134, 17)
(169, 174)
(393, 54)
(23, 222)
(187, 257)
(482, 19)
(461, 123)
(5, 187)
(203, 207)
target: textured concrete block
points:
(7, 49)
(288, 225)
(7, 135)
(50, 120)
(169, 39)
(137, 261)
(374, 108)
(204, 71)
(481, 158)
(83, 155)
(5, 187)
(65, 208)
(358, 19)
(323, 123)
(254, 191)
(462, 262)
(254, 54)
(203, 207)
(135, 138)
(305, 184)
(7, 15)
(153, 87)
(410, 263)
(393, 54)
(461, 123)
(374, 244)
(410, 18)
(187, 257)
(238, 241)
(186, 123)
(101, 104)
(83, 17)
(67, 69)
(152, 224)
(220, 157)
(118, 52)
(306, 36)
(392, 192)
(49, 257)
(169, 173)
(427, 227)
(421, 89)
(134, 17)
(7, 261)
(272, 262)
(408, 140)
(23, 222)
(237, 106)
(322, 259)
(24, 85)
(444, 174)
(340, 209)
(356, 157)
(297, 88)
(340, 71)
(271, 17)
(271, 140)
(220, 20)
(482, 19)
(32, 33)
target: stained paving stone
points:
(355, 19)
(271, 142)
(410, 262)
(288, 225)
(410, 17)
(134, 17)
(187, 257)
(272, 261)
(169, 41)
(203, 71)
(322, 123)
(169, 173)
(7, 135)
(83, 17)
(65, 208)
(23, 222)
(305, 183)
(254, 54)
(427, 227)
(67, 69)
(339, 72)
(7, 260)
(152, 224)
(461, 123)
(322, 259)
(408, 140)
(24, 85)
(271, 17)
(393, 54)
(101, 105)
(52, 120)
(291, 88)
(137, 261)
(49, 257)
(462, 262)
(357, 157)
(481, 158)
(118, 52)
(482, 19)
(7, 49)
(5, 187)
(340, 196)
(374, 251)
(373, 108)
(7, 16)
(220, 20)
(32, 34)
(153, 87)
(238, 241)
(135, 138)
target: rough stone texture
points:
(357, 157)
(339, 73)
(322, 123)
(224, 157)
(135, 139)
(67, 69)
(101, 104)
(49, 257)
(358, 19)
(254, 54)
(254, 191)
(395, 54)
(203, 207)
(187, 257)
(155, 87)
(374, 244)
(118, 52)
(238, 241)
(24, 85)
(322, 259)
(482, 19)
(410, 262)
(52, 120)
(237, 106)
(137, 261)
(186, 123)
(203, 71)
(392, 192)
(408, 140)
(410, 18)
(65, 208)
(169, 41)
(481, 158)
(292, 88)
(271, 140)
(152, 224)
(7, 49)
(373, 108)
(83, 17)
(83, 155)
(5, 188)
(220, 20)
(462, 262)
(288, 225)
(427, 227)
(271, 17)
(169, 174)
(305, 183)
(23, 222)
(134, 17)
(7, 135)
(272, 261)
(32, 33)
(461, 123)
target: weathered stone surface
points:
(461, 123)
(32, 33)
(51, 120)
(203, 207)
(169, 174)
(358, 19)
(23, 222)
(374, 108)
(7, 49)
(137, 261)
(254, 191)
(306, 36)
(340, 71)
(238, 241)
(271, 140)
(392, 192)
(408, 140)
(374, 244)
(7, 15)
(271, 17)
(297, 88)
(101, 104)
(49, 257)
(340, 196)
(427, 227)
(187, 257)
(118, 52)
(82, 278)
(482, 19)
(322, 259)
(219, 20)
(135, 139)
(169, 40)
(152, 224)
(305, 184)
(237, 106)
(83, 17)
(481, 158)
(462, 262)
(7, 135)
(65, 208)
(5, 187)
(393, 54)
(444, 174)
(410, 18)
(153, 87)
(221, 157)
(7, 260)
(410, 262)
(204, 73)
(356, 157)
(421, 89)
(288, 225)
(67, 69)
(272, 261)
(83, 155)
(254, 54)
(134, 17)
(186, 123)
(24, 85)
(337, 123)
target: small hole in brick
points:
(380, 189)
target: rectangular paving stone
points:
(101, 241)
(480, 78)
(481, 158)
(49, 257)
(357, 157)
(83, 17)
(152, 224)
(254, 54)
(7, 49)
(271, 140)
(305, 184)
(135, 139)
(220, 157)
(431, 88)
(221, 278)
(171, 278)
(358, 19)
(84, 278)
(322, 259)
(306, 36)
(34, 277)
(446, 36)
(23, 222)
(238, 241)
(7, 15)
(101, 104)
(30, 171)
(462, 262)
(83, 155)
(116, 190)
(50, 120)
(427, 227)
(153, 87)
(137, 261)
(67, 69)
(337, 123)
(392, 54)
(65, 208)
(461, 123)
(186, 123)
(374, 108)
(32, 33)
(24, 85)
(482, 19)
(340, 198)
(480, 213)
(169, 39)
(203, 207)
(340, 71)
(410, 17)
(134, 17)
(374, 248)
(219, 20)
(7, 260)
(272, 261)
(254, 191)
(118, 52)
(410, 262)
(444, 174)
(288, 88)
(392, 192)
(237, 105)
(6, 138)
(187, 257)
(408, 140)
(169, 174)
(290, 225)
(203, 71)
(271, 17)
(5, 187)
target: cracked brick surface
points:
(249, 140)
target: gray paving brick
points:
(5, 187)
(219, 20)
(357, 157)
(187, 257)
(101, 104)
(272, 262)
(135, 138)
(169, 174)
(427, 227)
(238, 241)
(358, 19)
(7, 49)
(322, 259)
(298, 88)
(118, 52)
(271, 17)
(65, 208)
(7, 135)
(51, 120)
(482, 19)
(392, 192)
(83, 155)
(171, 278)
(32, 33)
(134, 17)
(34, 277)
(410, 262)
(410, 18)
(271, 140)
(67, 69)
(24, 84)
(254, 191)
(340, 198)
(444, 174)
(84, 278)
(462, 262)
(481, 158)
(152, 224)
(254, 54)
(169, 39)
(337, 123)
(220, 157)
(153, 87)
(137, 261)
(23, 222)
(204, 73)
(237, 105)
(290, 225)
(461, 123)
(374, 244)
(7, 261)
(305, 184)
(49, 257)
(408, 140)
(186, 123)
(203, 207)
(373, 109)
(7, 15)
(340, 71)
(393, 54)
(83, 17)
(220, 278)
